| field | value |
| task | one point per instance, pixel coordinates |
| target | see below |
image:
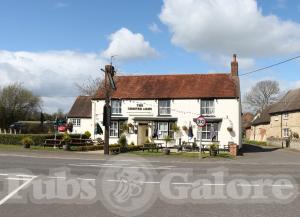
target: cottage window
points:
(114, 129)
(164, 107)
(162, 129)
(116, 107)
(285, 116)
(207, 107)
(207, 131)
(286, 132)
(76, 122)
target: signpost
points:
(109, 87)
(201, 122)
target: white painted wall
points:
(86, 125)
(229, 110)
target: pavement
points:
(263, 182)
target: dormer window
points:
(208, 107)
(164, 107)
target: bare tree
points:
(262, 94)
(17, 103)
(90, 87)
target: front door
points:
(142, 134)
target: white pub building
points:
(151, 105)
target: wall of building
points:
(86, 124)
(185, 110)
(260, 132)
(292, 122)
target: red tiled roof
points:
(82, 108)
(180, 86)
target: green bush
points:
(87, 148)
(12, 139)
(87, 134)
(27, 142)
(255, 142)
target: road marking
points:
(18, 179)
(286, 186)
(248, 185)
(11, 194)
(24, 175)
(56, 177)
(214, 184)
(117, 166)
(86, 179)
(3, 174)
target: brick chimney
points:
(234, 66)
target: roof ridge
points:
(180, 74)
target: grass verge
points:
(20, 148)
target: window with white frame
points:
(286, 132)
(285, 116)
(164, 107)
(116, 107)
(207, 107)
(114, 128)
(209, 132)
(76, 122)
(162, 129)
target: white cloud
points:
(154, 28)
(61, 5)
(50, 74)
(219, 27)
(128, 45)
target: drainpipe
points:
(281, 131)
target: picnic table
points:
(152, 146)
(80, 142)
(53, 143)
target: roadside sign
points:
(200, 121)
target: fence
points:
(10, 131)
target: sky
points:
(50, 45)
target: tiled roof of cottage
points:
(176, 86)
(82, 108)
(290, 102)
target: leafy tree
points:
(261, 95)
(17, 103)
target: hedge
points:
(15, 139)
(255, 142)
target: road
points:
(262, 183)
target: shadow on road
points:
(248, 148)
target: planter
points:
(66, 147)
(166, 151)
(213, 152)
(26, 146)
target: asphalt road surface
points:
(262, 183)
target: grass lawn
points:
(20, 148)
(181, 154)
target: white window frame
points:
(76, 122)
(116, 107)
(206, 132)
(114, 129)
(286, 132)
(207, 107)
(164, 109)
(162, 129)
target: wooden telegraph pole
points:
(109, 86)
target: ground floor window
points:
(76, 122)
(114, 129)
(163, 129)
(286, 132)
(209, 132)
